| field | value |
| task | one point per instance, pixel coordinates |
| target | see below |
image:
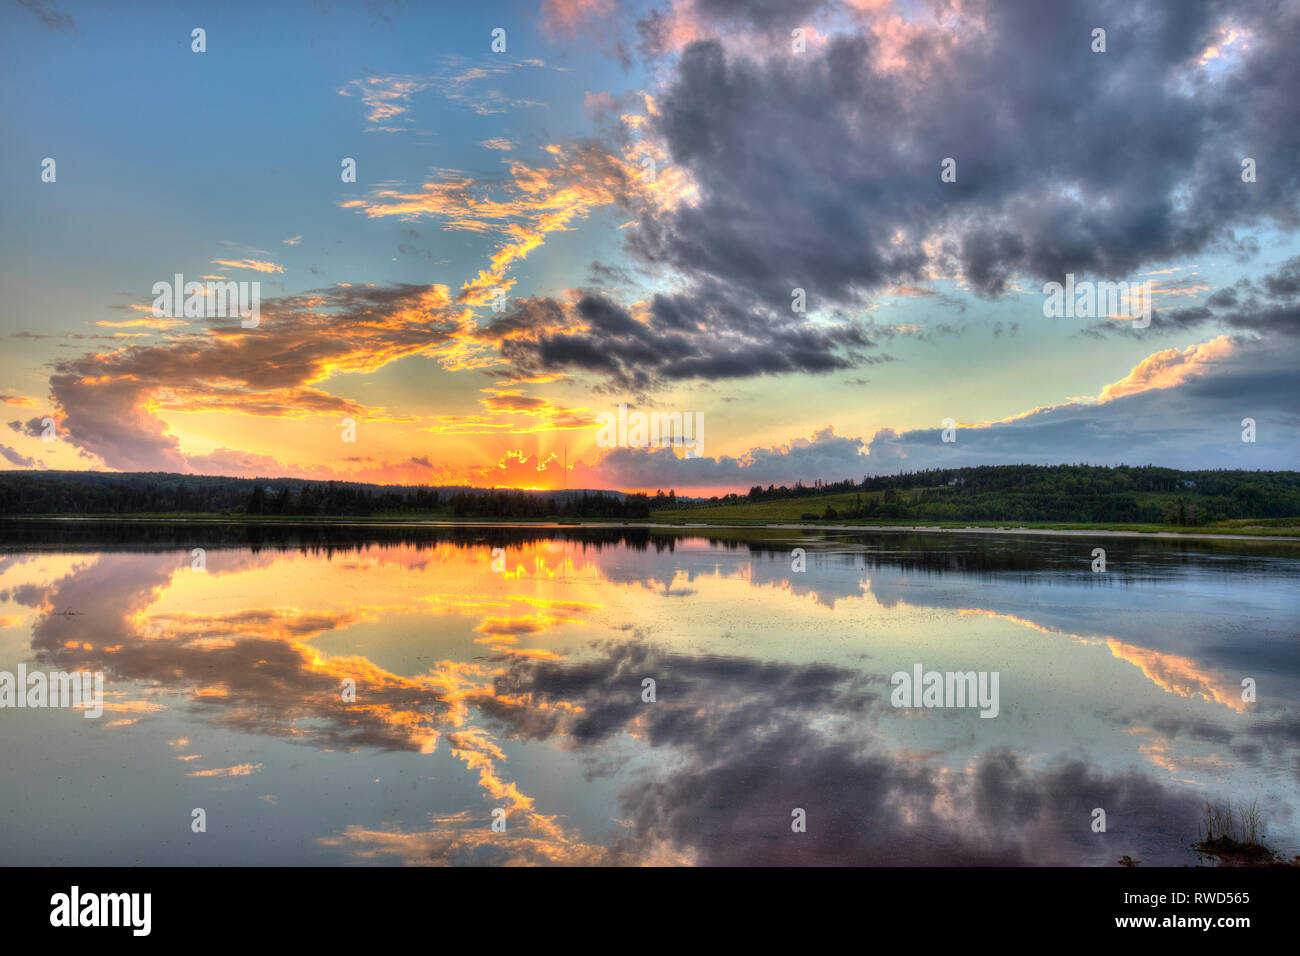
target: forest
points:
(1071, 493)
(1074, 493)
(109, 493)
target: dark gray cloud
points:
(1267, 306)
(821, 170)
(14, 458)
(32, 428)
(762, 14)
(773, 17)
(704, 335)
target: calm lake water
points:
(503, 669)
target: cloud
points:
(388, 99)
(834, 154)
(47, 12)
(1179, 409)
(539, 200)
(825, 455)
(1266, 306)
(761, 15)
(161, 324)
(677, 337)
(1169, 368)
(14, 458)
(240, 464)
(1176, 408)
(112, 402)
(254, 265)
(565, 17)
(32, 428)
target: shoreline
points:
(1070, 532)
(658, 525)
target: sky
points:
(821, 228)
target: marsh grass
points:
(1219, 822)
(1234, 838)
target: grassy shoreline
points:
(1286, 529)
(1230, 529)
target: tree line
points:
(112, 493)
(1074, 493)
(1083, 493)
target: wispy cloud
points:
(389, 99)
(254, 265)
(48, 13)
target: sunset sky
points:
(647, 182)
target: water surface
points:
(503, 668)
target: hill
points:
(1074, 494)
(158, 493)
(1077, 494)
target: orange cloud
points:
(256, 265)
(151, 323)
(567, 16)
(110, 402)
(539, 201)
(1169, 368)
